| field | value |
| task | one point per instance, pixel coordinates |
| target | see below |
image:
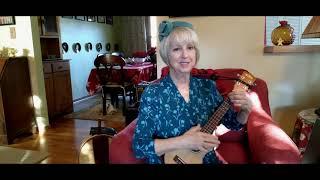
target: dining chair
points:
(112, 79)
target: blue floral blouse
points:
(164, 113)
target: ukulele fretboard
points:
(211, 125)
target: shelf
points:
(47, 36)
(292, 49)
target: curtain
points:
(134, 33)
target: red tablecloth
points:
(134, 73)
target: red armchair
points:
(262, 141)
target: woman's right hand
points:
(196, 140)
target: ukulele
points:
(187, 156)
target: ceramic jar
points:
(283, 34)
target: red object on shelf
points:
(303, 128)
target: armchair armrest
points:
(120, 148)
(268, 143)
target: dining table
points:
(135, 73)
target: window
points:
(299, 23)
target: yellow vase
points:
(283, 35)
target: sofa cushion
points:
(121, 147)
(233, 153)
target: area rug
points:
(10, 155)
(95, 113)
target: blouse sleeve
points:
(143, 138)
(230, 118)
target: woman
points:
(173, 111)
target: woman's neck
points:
(182, 82)
(180, 79)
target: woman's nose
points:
(185, 53)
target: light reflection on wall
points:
(41, 125)
(36, 102)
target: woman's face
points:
(182, 57)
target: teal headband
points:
(165, 27)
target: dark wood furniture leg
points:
(104, 100)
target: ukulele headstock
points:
(244, 82)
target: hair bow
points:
(165, 27)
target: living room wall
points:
(237, 42)
(77, 31)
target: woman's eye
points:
(176, 49)
(191, 47)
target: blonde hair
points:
(181, 35)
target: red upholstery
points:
(120, 148)
(233, 152)
(262, 141)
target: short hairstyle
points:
(182, 35)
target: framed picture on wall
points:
(69, 17)
(101, 19)
(7, 20)
(91, 18)
(109, 20)
(82, 18)
(177, 16)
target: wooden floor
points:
(63, 138)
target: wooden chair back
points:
(110, 69)
(94, 150)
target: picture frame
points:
(91, 18)
(177, 16)
(82, 18)
(68, 17)
(101, 19)
(109, 20)
(7, 20)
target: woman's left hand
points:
(240, 99)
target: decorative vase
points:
(283, 34)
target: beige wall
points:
(27, 42)
(237, 42)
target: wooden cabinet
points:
(48, 80)
(16, 104)
(56, 70)
(58, 88)
(50, 37)
(49, 26)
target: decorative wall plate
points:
(108, 46)
(98, 47)
(76, 47)
(88, 47)
(65, 47)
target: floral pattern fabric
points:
(163, 113)
(303, 128)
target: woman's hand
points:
(196, 140)
(240, 99)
